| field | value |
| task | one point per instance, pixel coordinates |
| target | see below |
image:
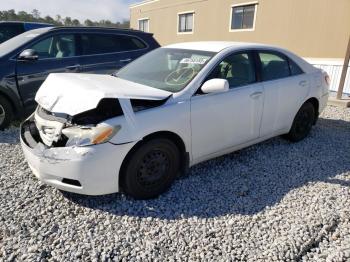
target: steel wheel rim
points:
(153, 168)
(2, 114)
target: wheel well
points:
(316, 104)
(14, 109)
(176, 139)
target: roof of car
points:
(96, 28)
(21, 22)
(213, 46)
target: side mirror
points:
(28, 55)
(215, 85)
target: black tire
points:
(151, 169)
(302, 124)
(6, 113)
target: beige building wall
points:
(310, 28)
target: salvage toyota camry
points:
(177, 106)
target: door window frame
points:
(277, 53)
(44, 37)
(250, 52)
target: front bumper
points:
(90, 170)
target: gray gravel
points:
(275, 201)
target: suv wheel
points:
(151, 169)
(6, 113)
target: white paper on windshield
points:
(194, 60)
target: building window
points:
(186, 23)
(243, 16)
(144, 25)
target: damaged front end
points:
(63, 130)
(82, 130)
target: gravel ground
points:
(275, 201)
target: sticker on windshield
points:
(31, 35)
(194, 60)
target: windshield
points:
(165, 68)
(15, 42)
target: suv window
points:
(93, 44)
(8, 31)
(58, 46)
(238, 69)
(273, 66)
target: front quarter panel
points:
(172, 117)
(8, 83)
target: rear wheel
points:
(6, 113)
(302, 123)
(151, 169)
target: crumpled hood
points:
(72, 94)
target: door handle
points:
(303, 83)
(127, 60)
(256, 95)
(73, 68)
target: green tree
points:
(68, 21)
(75, 22)
(36, 14)
(88, 22)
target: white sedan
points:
(172, 108)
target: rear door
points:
(103, 53)
(285, 87)
(56, 54)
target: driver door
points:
(56, 54)
(221, 121)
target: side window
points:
(94, 44)
(129, 43)
(294, 68)
(8, 31)
(238, 69)
(58, 46)
(273, 66)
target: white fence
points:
(334, 68)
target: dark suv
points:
(11, 29)
(27, 59)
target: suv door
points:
(56, 54)
(103, 53)
(224, 120)
(286, 87)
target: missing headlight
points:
(107, 108)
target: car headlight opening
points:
(85, 136)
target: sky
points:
(114, 10)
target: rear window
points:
(93, 44)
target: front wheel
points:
(302, 124)
(151, 169)
(6, 113)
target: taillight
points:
(328, 79)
